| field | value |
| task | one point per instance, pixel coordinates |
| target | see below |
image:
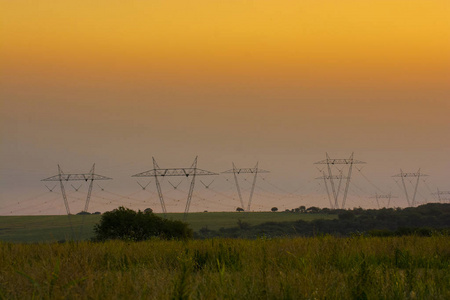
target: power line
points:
(156, 172)
(61, 177)
(237, 171)
(330, 177)
(417, 175)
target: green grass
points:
(45, 228)
(301, 268)
(55, 228)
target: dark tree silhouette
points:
(126, 224)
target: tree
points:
(300, 209)
(274, 209)
(126, 224)
(313, 210)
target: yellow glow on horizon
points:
(310, 40)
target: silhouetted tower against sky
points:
(236, 172)
(442, 195)
(62, 177)
(388, 197)
(330, 162)
(416, 175)
(192, 172)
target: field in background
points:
(56, 228)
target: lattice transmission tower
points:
(63, 177)
(325, 177)
(192, 172)
(236, 172)
(442, 195)
(388, 196)
(331, 178)
(417, 175)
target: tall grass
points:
(300, 268)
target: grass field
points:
(55, 228)
(300, 268)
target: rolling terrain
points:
(56, 228)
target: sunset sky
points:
(279, 82)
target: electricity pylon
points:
(156, 172)
(440, 193)
(388, 196)
(61, 177)
(417, 175)
(236, 172)
(330, 177)
(325, 178)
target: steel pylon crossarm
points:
(236, 171)
(186, 172)
(330, 177)
(61, 177)
(192, 172)
(441, 193)
(384, 196)
(404, 175)
(339, 161)
(245, 171)
(76, 177)
(417, 174)
(388, 196)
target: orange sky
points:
(275, 81)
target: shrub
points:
(126, 224)
(346, 215)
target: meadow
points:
(56, 228)
(322, 267)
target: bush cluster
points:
(126, 224)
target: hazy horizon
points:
(275, 82)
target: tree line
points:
(423, 220)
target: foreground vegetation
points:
(357, 267)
